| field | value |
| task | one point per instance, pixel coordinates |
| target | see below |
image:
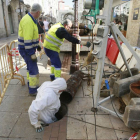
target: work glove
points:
(38, 127)
(38, 48)
(34, 58)
(88, 44)
(43, 124)
(78, 37)
(85, 43)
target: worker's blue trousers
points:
(55, 63)
(32, 72)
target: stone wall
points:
(14, 5)
(133, 29)
(2, 29)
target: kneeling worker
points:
(46, 104)
(52, 42)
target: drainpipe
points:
(75, 56)
(20, 10)
(4, 18)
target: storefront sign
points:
(136, 14)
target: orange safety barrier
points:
(5, 73)
(7, 70)
(10, 63)
(17, 60)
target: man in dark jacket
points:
(41, 29)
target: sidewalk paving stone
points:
(19, 138)
(8, 120)
(16, 104)
(24, 129)
(123, 135)
(76, 129)
(118, 124)
(14, 82)
(80, 106)
(7, 40)
(84, 90)
(17, 90)
(102, 133)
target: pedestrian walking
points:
(28, 42)
(52, 42)
(46, 24)
(41, 29)
(47, 103)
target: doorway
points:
(10, 19)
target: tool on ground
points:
(89, 59)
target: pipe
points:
(62, 111)
(75, 56)
(73, 84)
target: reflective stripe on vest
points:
(52, 42)
(55, 39)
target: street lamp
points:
(75, 55)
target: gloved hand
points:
(77, 36)
(43, 124)
(85, 43)
(38, 48)
(34, 58)
(38, 127)
(88, 44)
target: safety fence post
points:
(17, 61)
(5, 70)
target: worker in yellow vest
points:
(52, 42)
(28, 42)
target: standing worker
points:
(47, 103)
(28, 42)
(52, 42)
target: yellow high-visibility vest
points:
(28, 37)
(51, 41)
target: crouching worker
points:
(47, 103)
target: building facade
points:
(11, 11)
(49, 7)
(68, 12)
(10, 14)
